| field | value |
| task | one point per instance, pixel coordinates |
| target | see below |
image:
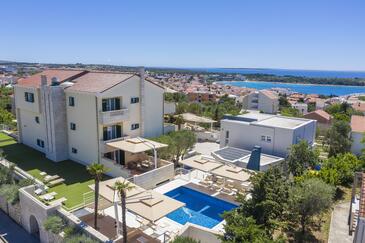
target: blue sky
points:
(310, 34)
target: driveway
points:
(206, 147)
(12, 232)
(339, 230)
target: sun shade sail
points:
(136, 145)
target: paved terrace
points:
(77, 179)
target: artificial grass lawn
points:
(30, 160)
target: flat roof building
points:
(273, 133)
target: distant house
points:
(359, 106)
(263, 100)
(201, 96)
(301, 107)
(357, 133)
(323, 118)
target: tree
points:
(97, 171)
(78, 238)
(10, 192)
(337, 138)
(178, 142)
(239, 228)
(268, 201)
(283, 102)
(363, 144)
(179, 120)
(301, 156)
(309, 198)
(340, 169)
(290, 111)
(122, 188)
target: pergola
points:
(138, 145)
(192, 118)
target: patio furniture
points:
(49, 196)
(56, 182)
(39, 191)
(49, 178)
(42, 173)
(206, 183)
(58, 201)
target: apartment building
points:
(273, 133)
(357, 134)
(72, 114)
(264, 100)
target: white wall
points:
(169, 107)
(84, 138)
(19, 93)
(30, 130)
(153, 124)
(267, 104)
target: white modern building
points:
(273, 133)
(73, 114)
(357, 134)
(301, 107)
(264, 100)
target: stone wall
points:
(12, 210)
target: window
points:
(135, 126)
(112, 132)
(263, 138)
(37, 119)
(111, 104)
(71, 101)
(74, 151)
(72, 126)
(227, 134)
(40, 143)
(134, 100)
(268, 139)
(29, 97)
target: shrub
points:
(10, 192)
(182, 239)
(78, 238)
(54, 224)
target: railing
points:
(88, 199)
(183, 173)
(108, 117)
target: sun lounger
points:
(58, 201)
(42, 173)
(206, 183)
(48, 196)
(56, 182)
(50, 178)
(39, 191)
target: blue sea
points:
(338, 90)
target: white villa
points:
(83, 115)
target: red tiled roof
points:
(94, 82)
(359, 106)
(321, 113)
(270, 94)
(62, 75)
(358, 123)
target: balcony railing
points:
(115, 116)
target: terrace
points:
(76, 178)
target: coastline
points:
(305, 84)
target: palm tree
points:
(97, 171)
(122, 188)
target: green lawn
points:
(76, 176)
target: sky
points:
(293, 34)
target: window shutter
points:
(119, 131)
(117, 103)
(104, 105)
(105, 134)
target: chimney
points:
(43, 80)
(254, 161)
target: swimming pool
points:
(200, 209)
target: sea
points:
(338, 90)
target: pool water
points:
(200, 209)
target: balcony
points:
(115, 116)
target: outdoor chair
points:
(50, 178)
